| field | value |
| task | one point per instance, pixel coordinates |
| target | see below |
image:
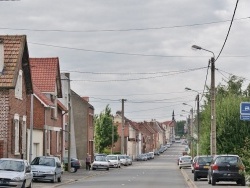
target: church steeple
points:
(173, 119)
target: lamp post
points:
(198, 118)
(191, 129)
(212, 90)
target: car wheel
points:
(107, 169)
(213, 181)
(59, 179)
(54, 179)
(73, 169)
(195, 177)
(93, 168)
(242, 182)
(23, 185)
(179, 167)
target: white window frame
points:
(19, 84)
(16, 134)
(24, 129)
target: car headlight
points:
(16, 179)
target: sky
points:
(136, 50)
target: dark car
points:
(75, 164)
(226, 168)
(201, 165)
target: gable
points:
(16, 57)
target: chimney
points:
(1, 55)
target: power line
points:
(228, 30)
(119, 30)
(143, 78)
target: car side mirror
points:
(58, 165)
(28, 169)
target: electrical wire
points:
(228, 30)
(119, 30)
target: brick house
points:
(48, 112)
(15, 86)
(83, 117)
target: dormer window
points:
(18, 89)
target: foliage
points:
(103, 130)
(179, 128)
(231, 132)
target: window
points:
(18, 89)
(16, 134)
(54, 109)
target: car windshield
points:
(10, 165)
(43, 161)
(112, 157)
(100, 158)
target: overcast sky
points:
(136, 50)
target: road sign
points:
(245, 108)
(245, 117)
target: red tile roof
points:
(15, 57)
(46, 74)
(42, 98)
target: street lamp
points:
(198, 117)
(212, 90)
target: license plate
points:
(206, 167)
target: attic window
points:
(18, 88)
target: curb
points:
(188, 180)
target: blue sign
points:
(245, 108)
(245, 117)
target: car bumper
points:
(184, 165)
(17, 184)
(100, 166)
(43, 176)
(227, 176)
(201, 173)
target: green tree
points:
(103, 130)
(179, 128)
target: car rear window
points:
(204, 159)
(233, 160)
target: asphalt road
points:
(159, 172)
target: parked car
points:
(15, 173)
(226, 168)
(46, 168)
(185, 161)
(75, 164)
(142, 157)
(152, 155)
(201, 165)
(124, 160)
(100, 162)
(156, 152)
(114, 161)
(129, 160)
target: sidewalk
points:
(80, 174)
(68, 177)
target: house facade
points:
(15, 87)
(47, 115)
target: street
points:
(162, 171)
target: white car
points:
(15, 173)
(124, 160)
(185, 161)
(114, 160)
(47, 168)
(100, 162)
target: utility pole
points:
(213, 115)
(69, 125)
(192, 133)
(198, 122)
(122, 136)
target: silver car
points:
(46, 168)
(100, 162)
(15, 173)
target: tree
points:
(103, 130)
